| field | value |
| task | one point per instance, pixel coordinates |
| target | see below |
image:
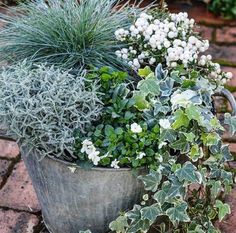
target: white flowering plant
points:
(165, 120)
(170, 39)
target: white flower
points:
(165, 123)
(94, 157)
(229, 75)
(182, 99)
(136, 128)
(114, 164)
(141, 155)
(87, 147)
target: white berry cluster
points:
(152, 41)
(214, 69)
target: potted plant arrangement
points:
(113, 110)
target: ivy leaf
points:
(158, 107)
(180, 119)
(140, 101)
(139, 226)
(178, 213)
(144, 72)
(189, 136)
(119, 224)
(195, 153)
(227, 156)
(215, 188)
(149, 86)
(223, 209)
(187, 173)
(231, 122)
(152, 180)
(210, 139)
(151, 212)
(134, 214)
(166, 87)
(159, 73)
(176, 189)
(168, 135)
(181, 145)
(193, 113)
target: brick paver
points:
(8, 149)
(18, 203)
(4, 169)
(17, 222)
(18, 191)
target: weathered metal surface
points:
(83, 199)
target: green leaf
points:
(168, 135)
(193, 113)
(159, 73)
(215, 123)
(178, 213)
(109, 130)
(231, 122)
(210, 139)
(151, 212)
(152, 180)
(119, 224)
(149, 86)
(223, 209)
(139, 226)
(215, 188)
(187, 173)
(189, 136)
(134, 214)
(180, 119)
(140, 101)
(181, 144)
(144, 72)
(195, 153)
(166, 87)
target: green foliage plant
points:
(41, 106)
(164, 120)
(225, 8)
(67, 33)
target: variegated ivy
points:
(188, 181)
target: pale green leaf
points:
(151, 212)
(152, 180)
(188, 173)
(180, 119)
(119, 224)
(223, 209)
(178, 213)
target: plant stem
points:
(162, 4)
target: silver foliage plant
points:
(41, 107)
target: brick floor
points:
(19, 209)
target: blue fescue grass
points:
(65, 33)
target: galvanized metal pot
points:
(82, 199)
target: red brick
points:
(8, 149)
(205, 32)
(18, 192)
(199, 12)
(223, 53)
(228, 225)
(4, 167)
(17, 222)
(226, 35)
(232, 147)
